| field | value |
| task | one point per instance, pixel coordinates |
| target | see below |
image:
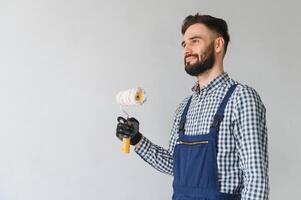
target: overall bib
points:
(194, 161)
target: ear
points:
(219, 44)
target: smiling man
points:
(218, 142)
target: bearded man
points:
(218, 142)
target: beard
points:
(200, 66)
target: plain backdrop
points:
(63, 62)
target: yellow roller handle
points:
(126, 145)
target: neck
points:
(209, 75)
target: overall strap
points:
(183, 116)
(219, 115)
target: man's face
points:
(198, 49)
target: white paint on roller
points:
(133, 96)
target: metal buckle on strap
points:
(182, 124)
(217, 121)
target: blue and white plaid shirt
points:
(242, 156)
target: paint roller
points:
(130, 97)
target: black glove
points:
(128, 128)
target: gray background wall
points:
(62, 63)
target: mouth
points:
(190, 59)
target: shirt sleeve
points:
(159, 157)
(252, 144)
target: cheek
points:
(200, 52)
(205, 51)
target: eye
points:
(195, 41)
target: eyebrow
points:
(193, 37)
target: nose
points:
(187, 50)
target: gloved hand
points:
(128, 128)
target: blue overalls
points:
(194, 161)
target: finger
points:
(119, 136)
(121, 120)
(132, 119)
(122, 134)
(124, 127)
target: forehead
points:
(197, 30)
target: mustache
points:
(190, 55)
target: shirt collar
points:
(212, 85)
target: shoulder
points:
(247, 93)
(246, 97)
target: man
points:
(218, 142)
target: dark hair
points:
(216, 24)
